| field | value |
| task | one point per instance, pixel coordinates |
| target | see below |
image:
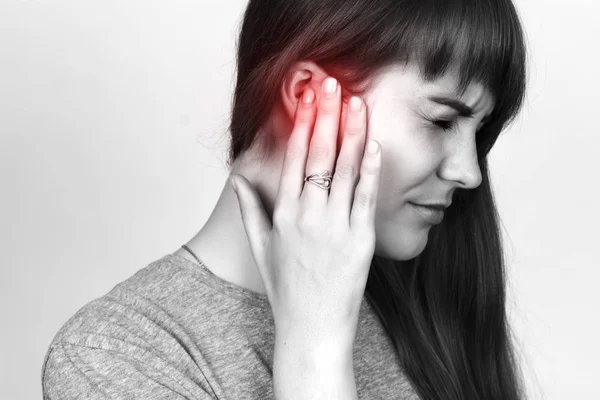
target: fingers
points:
(349, 160)
(322, 152)
(316, 132)
(367, 190)
(291, 181)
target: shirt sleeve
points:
(73, 371)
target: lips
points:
(440, 208)
(440, 205)
(433, 215)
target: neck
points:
(222, 244)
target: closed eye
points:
(448, 125)
(445, 125)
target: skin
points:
(422, 163)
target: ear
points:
(301, 75)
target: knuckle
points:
(369, 168)
(328, 107)
(318, 152)
(304, 118)
(294, 151)
(354, 126)
(354, 130)
(280, 216)
(363, 199)
(345, 171)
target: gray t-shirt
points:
(174, 330)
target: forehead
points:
(405, 81)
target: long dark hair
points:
(445, 309)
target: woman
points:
(343, 286)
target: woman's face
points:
(422, 162)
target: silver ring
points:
(322, 180)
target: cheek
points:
(410, 153)
(409, 158)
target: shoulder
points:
(126, 342)
(133, 310)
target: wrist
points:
(314, 350)
(316, 338)
(313, 370)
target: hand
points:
(314, 260)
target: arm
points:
(303, 371)
(79, 372)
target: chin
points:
(401, 245)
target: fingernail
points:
(373, 147)
(355, 104)
(330, 85)
(233, 184)
(308, 97)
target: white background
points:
(113, 140)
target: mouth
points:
(432, 214)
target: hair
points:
(444, 310)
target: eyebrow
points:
(463, 109)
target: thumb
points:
(256, 221)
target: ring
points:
(323, 177)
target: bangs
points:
(483, 41)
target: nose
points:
(460, 163)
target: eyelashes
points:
(449, 125)
(445, 125)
